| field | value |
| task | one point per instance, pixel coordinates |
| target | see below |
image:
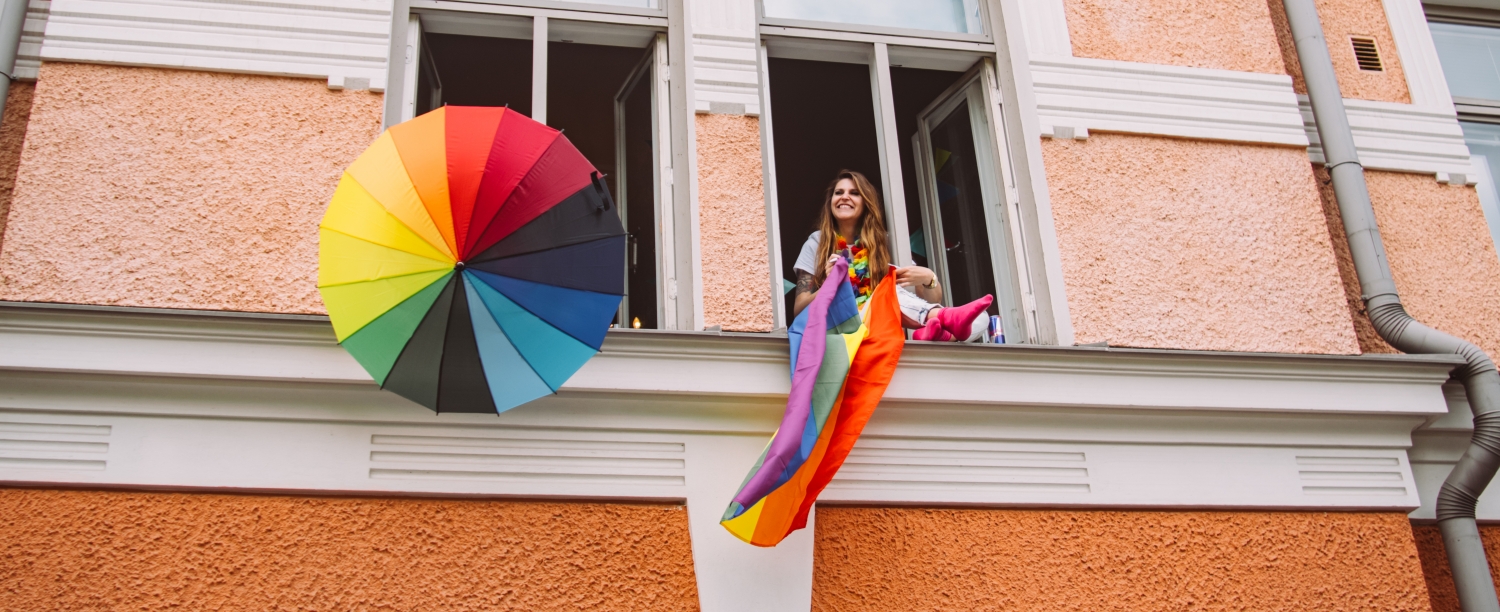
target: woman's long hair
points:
(871, 228)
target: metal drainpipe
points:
(1460, 493)
(12, 20)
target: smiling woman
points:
(851, 207)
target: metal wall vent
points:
(1366, 53)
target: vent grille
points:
(1366, 53)
(926, 464)
(1351, 475)
(53, 446)
(527, 460)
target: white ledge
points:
(228, 346)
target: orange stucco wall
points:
(1171, 243)
(921, 559)
(1223, 34)
(178, 189)
(732, 224)
(1435, 563)
(1243, 35)
(12, 135)
(1440, 253)
(94, 550)
(1342, 19)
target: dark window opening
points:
(823, 121)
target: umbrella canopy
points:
(471, 259)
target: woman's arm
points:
(922, 282)
(807, 289)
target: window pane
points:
(960, 16)
(1471, 59)
(971, 271)
(630, 3)
(1484, 145)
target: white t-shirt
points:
(807, 260)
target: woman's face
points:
(847, 203)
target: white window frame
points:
(678, 287)
(957, 53)
(908, 33)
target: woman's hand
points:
(920, 281)
(833, 260)
(916, 276)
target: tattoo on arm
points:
(806, 283)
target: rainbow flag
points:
(841, 366)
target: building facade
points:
(1191, 409)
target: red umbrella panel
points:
(471, 259)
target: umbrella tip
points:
(458, 266)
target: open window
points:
(603, 84)
(923, 125)
(958, 224)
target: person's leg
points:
(959, 320)
(933, 332)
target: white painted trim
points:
(1401, 138)
(344, 41)
(177, 400)
(1437, 447)
(1023, 132)
(28, 55)
(1418, 54)
(768, 184)
(889, 143)
(1046, 28)
(539, 46)
(725, 74)
(1131, 97)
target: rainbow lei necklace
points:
(859, 269)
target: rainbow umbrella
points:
(470, 259)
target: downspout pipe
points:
(12, 20)
(1460, 493)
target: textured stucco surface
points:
(92, 550)
(1342, 19)
(178, 189)
(920, 559)
(1223, 34)
(12, 135)
(1364, 331)
(1195, 245)
(1435, 563)
(732, 218)
(1441, 256)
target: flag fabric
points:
(842, 362)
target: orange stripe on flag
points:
(869, 376)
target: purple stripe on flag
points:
(788, 438)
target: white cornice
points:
(110, 397)
(161, 343)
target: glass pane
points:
(965, 231)
(1484, 145)
(1471, 59)
(960, 16)
(640, 204)
(630, 3)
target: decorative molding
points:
(344, 41)
(1108, 95)
(133, 398)
(1401, 138)
(28, 55)
(1437, 447)
(1419, 59)
(1046, 25)
(726, 77)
